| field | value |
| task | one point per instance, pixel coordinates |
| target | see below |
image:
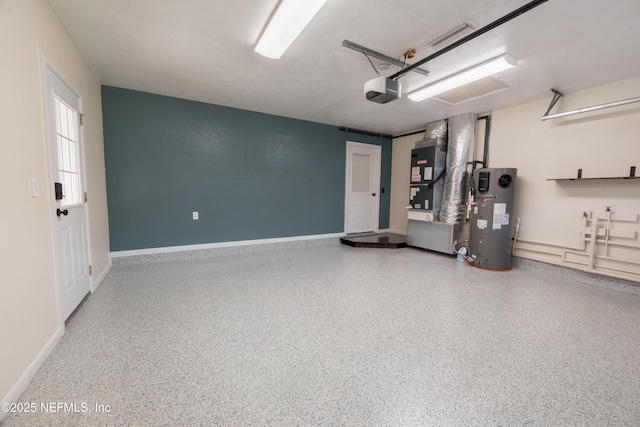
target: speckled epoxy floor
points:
(333, 335)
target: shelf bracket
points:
(556, 96)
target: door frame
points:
(376, 155)
(46, 66)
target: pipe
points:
(585, 218)
(627, 275)
(508, 17)
(592, 246)
(624, 245)
(607, 231)
(575, 262)
(554, 245)
(609, 242)
(616, 269)
(593, 108)
(596, 267)
(366, 132)
(608, 258)
(515, 237)
(564, 256)
(541, 251)
(620, 244)
(623, 261)
(410, 133)
(566, 251)
(487, 133)
(618, 276)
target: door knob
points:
(373, 194)
(64, 212)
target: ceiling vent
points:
(473, 90)
(451, 35)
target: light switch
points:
(195, 216)
(35, 189)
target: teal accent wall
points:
(249, 175)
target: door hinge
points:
(81, 117)
(90, 270)
(86, 198)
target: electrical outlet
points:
(196, 216)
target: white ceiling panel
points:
(203, 50)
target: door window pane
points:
(360, 173)
(68, 153)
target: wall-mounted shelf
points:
(592, 179)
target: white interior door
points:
(362, 186)
(69, 212)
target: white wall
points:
(29, 324)
(603, 143)
(400, 170)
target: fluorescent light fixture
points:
(286, 25)
(472, 74)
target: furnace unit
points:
(437, 181)
(492, 218)
(428, 162)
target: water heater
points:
(492, 217)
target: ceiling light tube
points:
(286, 25)
(472, 74)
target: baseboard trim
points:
(626, 284)
(98, 281)
(400, 232)
(205, 246)
(23, 381)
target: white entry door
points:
(362, 186)
(68, 210)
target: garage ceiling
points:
(202, 50)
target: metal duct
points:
(436, 130)
(461, 134)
